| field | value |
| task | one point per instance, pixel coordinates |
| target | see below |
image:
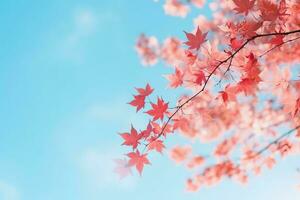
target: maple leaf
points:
(195, 40)
(175, 80)
(229, 94)
(251, 67)
(145, 92)
(138, 102)
(284, 147)
(269, 162)
(146, 133)
(179, 154)
(277, 40)
(247, 85)
(191, 58)
(243, 6)
(270, 11)
(195, 162)
(192, 186)
(248, 28)
(158, 110)
(224, 96)
(132, 138)
(200, 78)
(156, 144)
(198, 3)
(138, 160)
(122, 168)
(235, 43)
(157, 129)
(282, 10)
(182, 124)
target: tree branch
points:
(278, 45)
(213, 71)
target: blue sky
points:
(67, 69)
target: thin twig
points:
(278, 45)
(228, 68)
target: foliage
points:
(241, 66)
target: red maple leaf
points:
(271, 11)
(270, 162)
(138, 102)
(200, 78)
(243, 6)
(247, 86)
(277, 40)
(235, 43)
(179, 154)
(175, 80)
(251, 67)
(157, 129)
(248, 28)
(224, 96)
(191, 58)
(229, 94)
(158, 110)
(195, 40)
(138, 160)
(196, 161)
(132, 138)
(145, 92)
(146, 133)
(155, 144)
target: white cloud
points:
(8, 192)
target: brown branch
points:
(213, 71)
